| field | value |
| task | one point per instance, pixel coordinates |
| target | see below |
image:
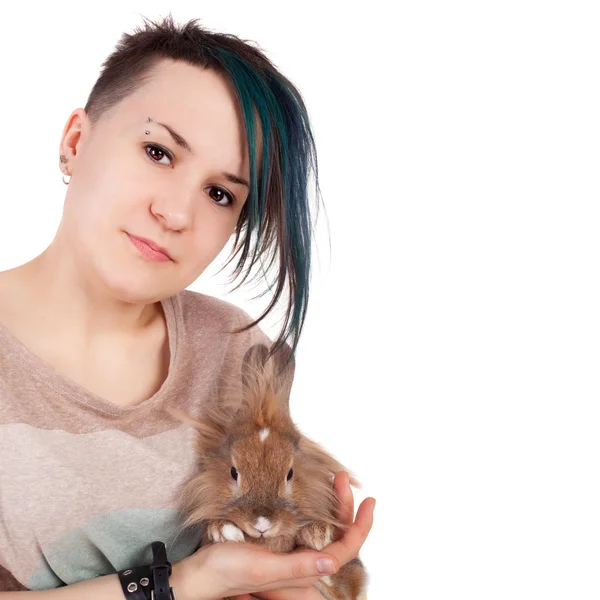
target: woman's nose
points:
(175, 215)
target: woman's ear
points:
(70, 143)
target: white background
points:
(451, 351)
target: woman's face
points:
(126, 182)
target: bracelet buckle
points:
(171, 593)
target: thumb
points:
(305, 563)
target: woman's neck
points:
(54, 295)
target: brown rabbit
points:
(260, 480)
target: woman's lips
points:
(148, 249)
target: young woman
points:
(187, 138)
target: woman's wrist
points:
(190, 582)
(179, 580)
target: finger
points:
(304, 582)
(285, 570)
(345, 512)
(296, 584)
(349, 545)
(290, 594)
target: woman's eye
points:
(157, 152)
(234, 473)
(217, 194)
(221, 197)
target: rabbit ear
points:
(284, 366)
(212, 426)
(254, 366)
(325, 462)
(263, 372)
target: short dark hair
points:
(275, 229)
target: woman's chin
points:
(135, 289)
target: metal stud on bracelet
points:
(153, 577)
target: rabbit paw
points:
(224, 531)
(315, 535)
(325, 587)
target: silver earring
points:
(63, 160)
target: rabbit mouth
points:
(256, 533)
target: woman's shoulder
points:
(210, 321)
(201, 309)
(220, 318)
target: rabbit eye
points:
(290, 474)
(234, 473)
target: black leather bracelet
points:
(149, 582)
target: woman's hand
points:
(228, 569)
(342, 550)
(309, 593)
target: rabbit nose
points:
(262, 524)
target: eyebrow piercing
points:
(149, 121)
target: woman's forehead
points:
(193, 105)
(187, 96)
